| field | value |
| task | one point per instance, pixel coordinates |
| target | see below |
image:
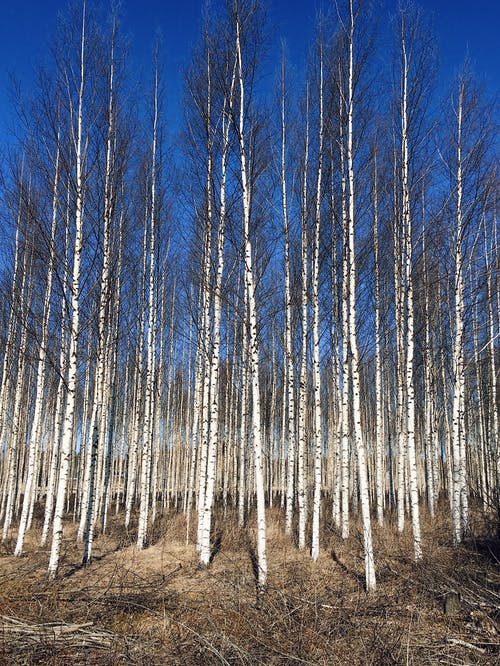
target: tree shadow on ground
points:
(217, 545)
(488, 548)
(78, 566)
(259, 591)
(353, 574)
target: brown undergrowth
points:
(157, 606)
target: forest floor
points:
(157, 606)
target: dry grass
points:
(157, 606)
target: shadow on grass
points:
(360, 580)
(488, 548)
(75, 567)
(216, 547)
(259, 590)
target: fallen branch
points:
(457, 641)
(55, 633)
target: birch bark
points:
(148, 426)
(67, 434)
(252, 312)
(410, 343)
(33, 445)
(318, 435)
(358, 433)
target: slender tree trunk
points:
(318, 435)
(410, 343)
(302, 489)
(358, 433)
(289, 384)
(459, 517)
(379, 422)
(33, 446)
(148, 427)
(69, 416)
(253, 339)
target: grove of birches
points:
(288, 297)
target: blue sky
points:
(461, 27)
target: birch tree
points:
(67, 433)
(148, 427)
(353, 345)
(35, 436)
(243, 17)
(318, 434)
(406, 63)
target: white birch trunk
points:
(493, 409)
(345, 426)
(58, 414)
(289, 384)
(215, 358)
(410, 390)
(302, 434)
(33, 446)
(14, 470)
(253, 340)
(148, 427)
(358, 433)
(379, 420)
(318, 435)
(459, 516)
(242, 485)
(67, 433)
(429, 402)
(101, 394)
(131, 490)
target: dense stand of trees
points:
(297, 307)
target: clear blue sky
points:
(461, 26)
